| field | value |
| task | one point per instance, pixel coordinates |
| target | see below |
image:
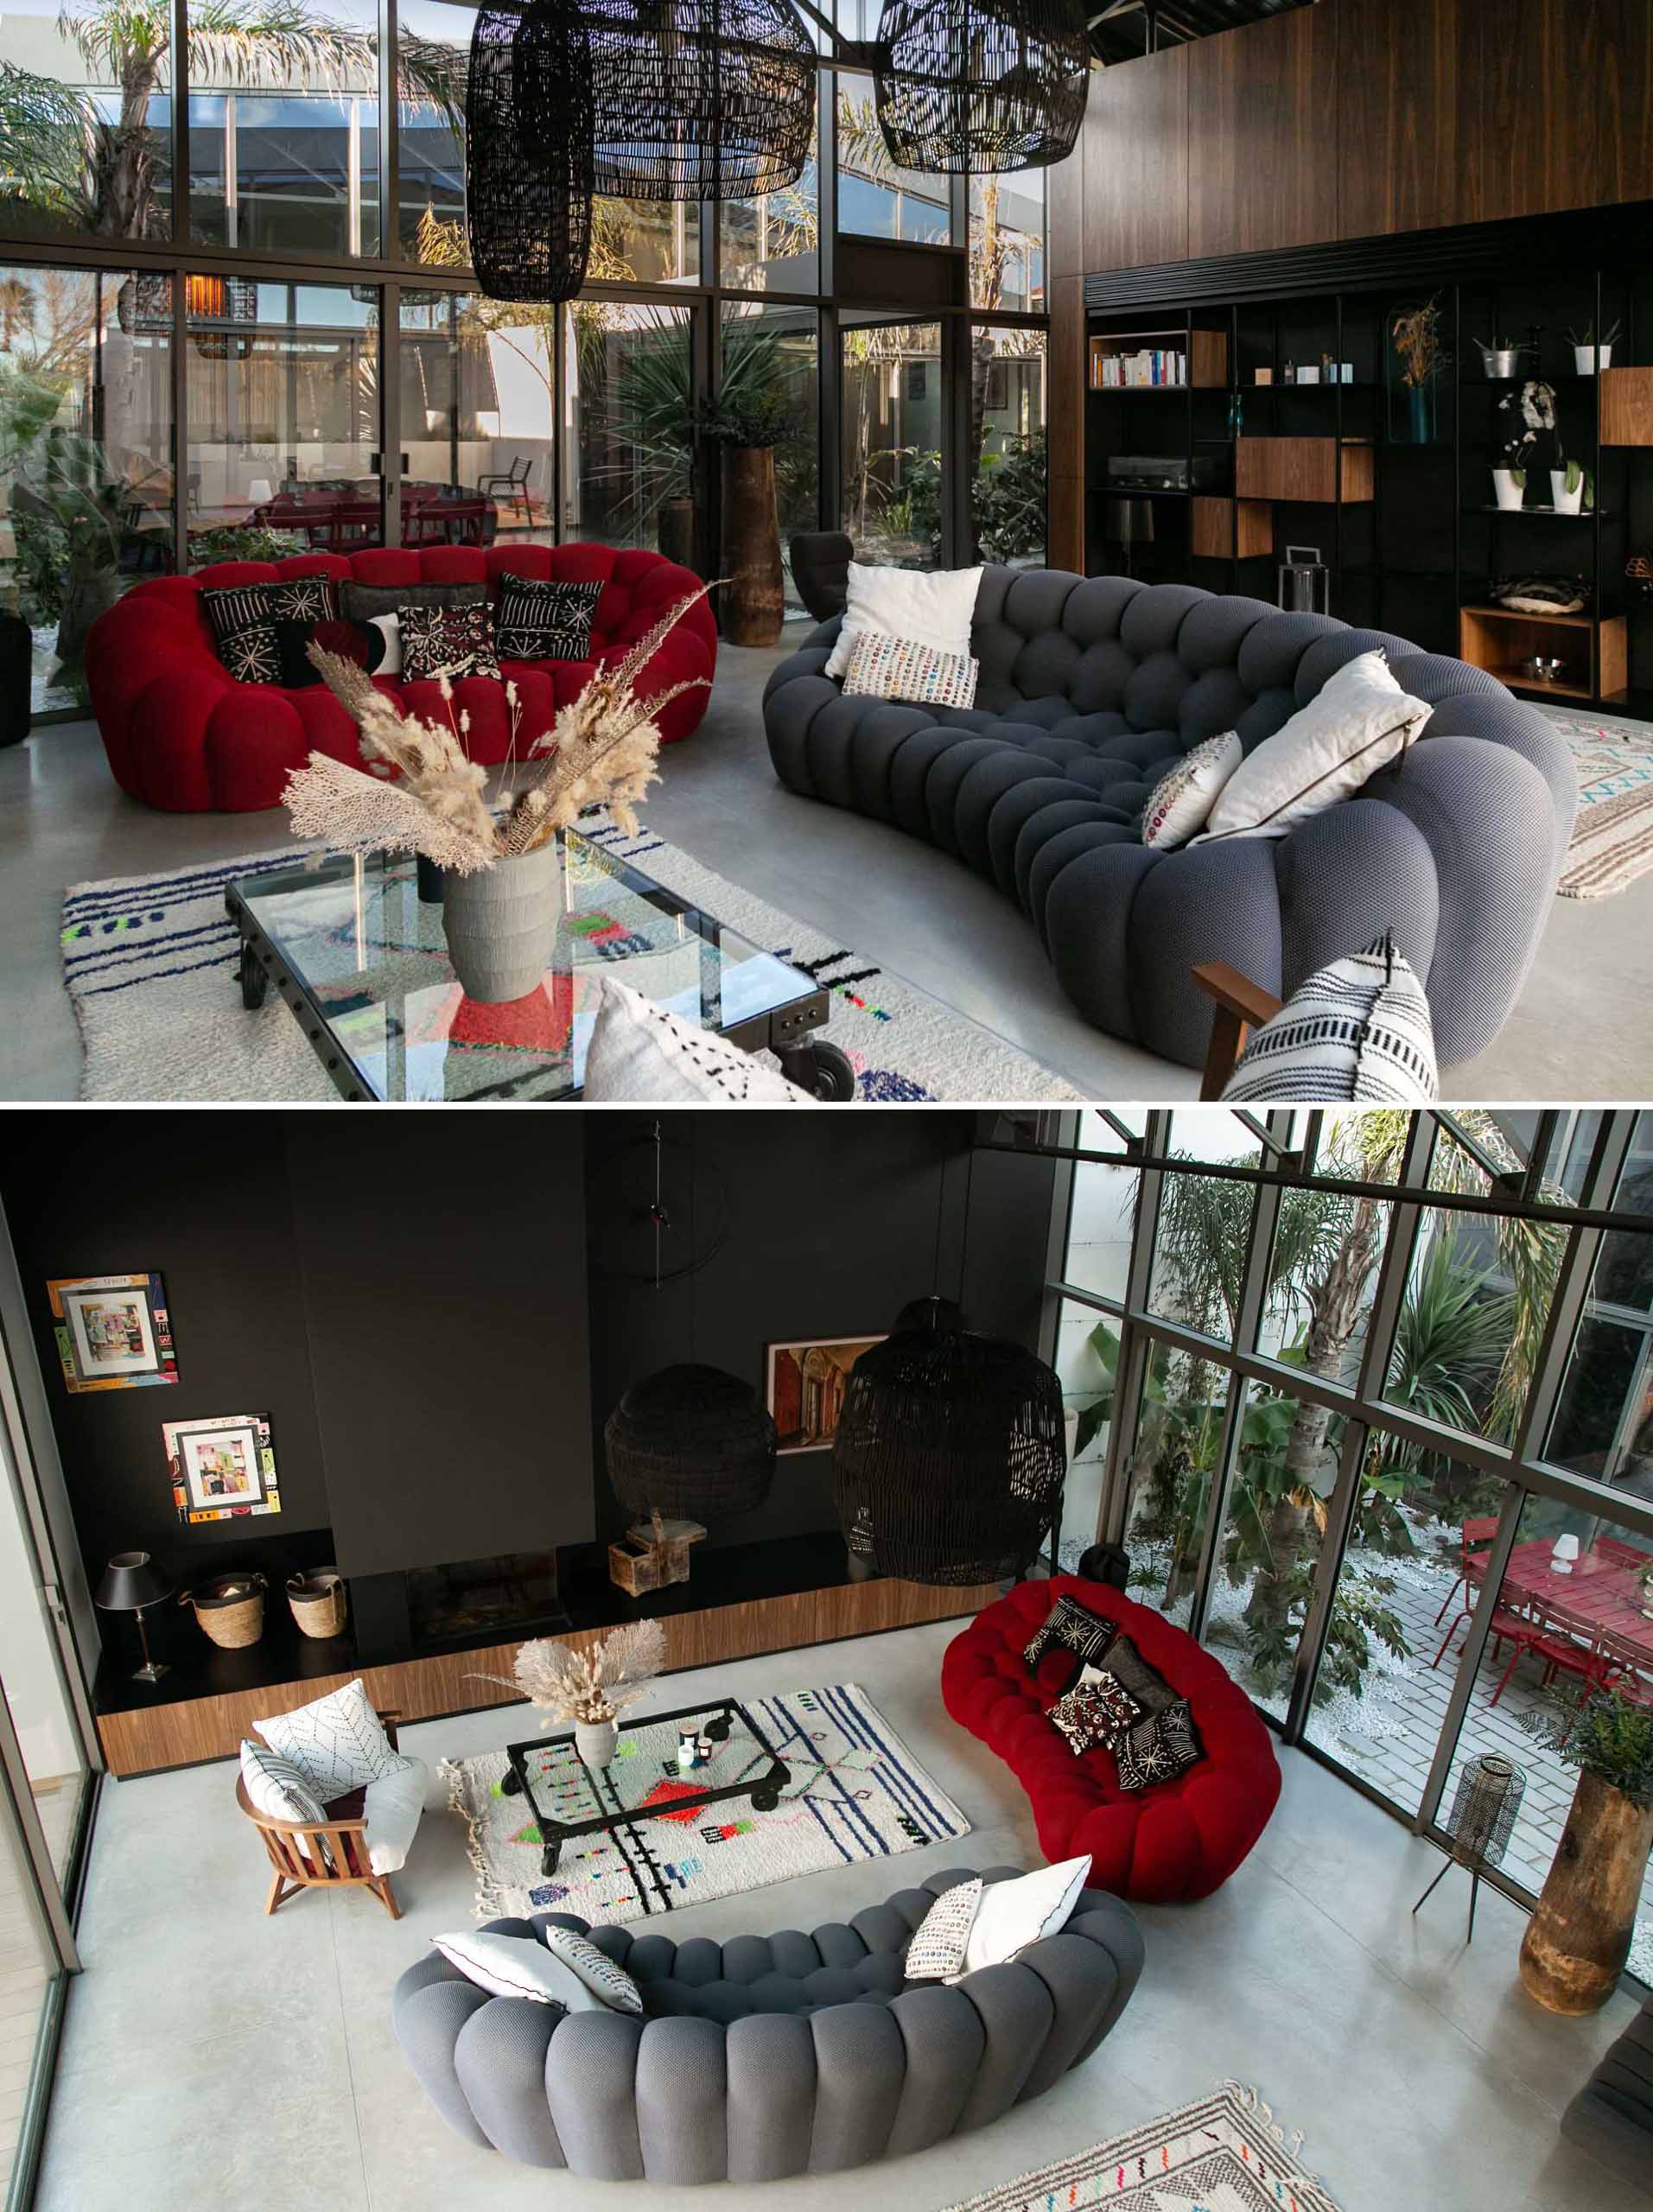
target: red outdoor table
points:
(1599, 1603)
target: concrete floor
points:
(212, 2056)
(917, 912)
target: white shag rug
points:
(149, 963)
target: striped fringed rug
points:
(1613, 837)
(149, 963)
(1225, 2155)
(855, 1792)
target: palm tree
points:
(59, 151)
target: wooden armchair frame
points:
(1242, 1007)
(337, 1855)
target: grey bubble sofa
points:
(1090, 690)
(768, 2055)
(1611, 2116)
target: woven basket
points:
(318, 1601)
(230, 1610)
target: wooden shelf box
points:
(1627, 407)
(1498, 640)
(1222, 530)
(1313, 471)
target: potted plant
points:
(501, 872)
(1591, 353)
(1527, 413)
(588, 1690)
(747, 428)
(1570, 489)
(1579, 1938)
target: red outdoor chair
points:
(1478, 1532)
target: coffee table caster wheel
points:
(765, 1801)
(822, 1069)
(549, 1857)
(254, 980)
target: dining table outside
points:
(1599, 1603)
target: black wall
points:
(436, 1335)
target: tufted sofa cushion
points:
(1176, 1841)
(768, 2055)
(181, 734)
(1090, 689)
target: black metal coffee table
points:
(644, 1780)
(363, 965)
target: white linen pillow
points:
(933, 606)
(1014, 1914)
(639, 1054)
(393, 1807)
(1355, 725)
(1358, 1031)
(275, 1786)
(391, 627)
(611, 1985)
(1181, 803)
(336, 1744)
(516, 1965)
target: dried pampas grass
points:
(590, 1685)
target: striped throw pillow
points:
(897, 668)
(1358, 1032)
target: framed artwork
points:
(806, 1383)
(222, 1469)
(112, 1332)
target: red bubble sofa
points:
(181, 734)
(1165, 1845)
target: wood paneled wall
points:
(1345, 119)
(197, 1729)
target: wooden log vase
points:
(1579, 1938)
(754, 600)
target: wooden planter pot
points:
(753, 599)
(1577, 1941)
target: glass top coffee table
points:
(362, 962)
(569, 1798)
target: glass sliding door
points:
(478, 420)
(628, 409)
(891, 442)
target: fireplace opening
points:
(514, 1594)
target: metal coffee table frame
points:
(719, 1718)
(814, 1064)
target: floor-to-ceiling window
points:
(1376, 1394)
(628, 406)
(891, 440)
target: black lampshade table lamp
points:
(132, 1582)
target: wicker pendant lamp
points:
(528, 151)
(981, 85)
(692, 1442)
(949, 1458)
(700, 100)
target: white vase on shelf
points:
(1509, 486)
(1586, 360)
(1565, 502)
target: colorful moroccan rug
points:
(149, 963)
(1612, 838)
(1225, 2155)
(856, 1792)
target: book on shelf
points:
(1152, 367)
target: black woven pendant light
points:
(527, 159)
(981, 85)
(700, 100)
(949, 1457)
(691, 1442)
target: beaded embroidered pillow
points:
(1097, 1713)
(900, 668)
(937, 1951)
(1181, 803)
(538, 620)
(450, 641)
(1160, 1748)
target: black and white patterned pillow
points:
(336, 1744)
(1095, 1714)
(536, 620)
(1069, 1626)
(233, 607)
(1161, 1748)
(274, 1785)
(1125, 1663)
(937, 1951)
(1358, 1032)
(304, 599)
(252, 655)
(610, 1985)
(450, 641)
(642, 1054)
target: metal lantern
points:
(1305, 581)
(528, 151)
(692, 1443)
(981, 85)
(1489, 1791)
(699, 99)
(949, 1458)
